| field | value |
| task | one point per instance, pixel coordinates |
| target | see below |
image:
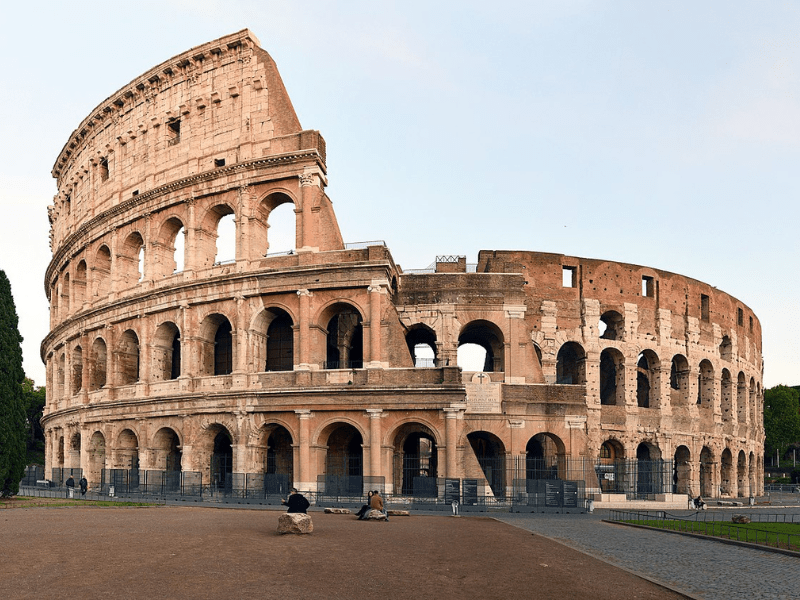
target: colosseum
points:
(328, 367)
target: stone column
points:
(304, 363)
(374, 441)
(515, 363)
(304, 468)
(190, 244)
(451, 417)
(309, 191)
(376, 290)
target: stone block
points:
(375, 515)
(398, 513)
(299, 523)
(337, 511)
(740, 519)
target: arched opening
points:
(125, 474)
(130, 260)
(726, 396)
(647, 380)
(280, 342)
(101, 272)
(167, 456)
(74, 461)
(612, 377)
(648, 470)
(76, 383)
(542, 454)
(226, 240)
(281, 228)
(751, 401)
(742, 488)
(707, 473)
(726, 473)
(344, 474)
(741, 397)
(705, 385)
(682, 471)
(488, 336)
(65, 295)
(571, 364)
(223, 349)
(79, 285)
(345, 339)
(679, 381)
(59, 456)
(128, 358)
(169, 250)
(611, 325)
(279, 461)
(610, 467)
(216, 345)
(421, 342)
(97, 371)
(60, 374)
(416, 460)
(166, 353)
(751, 474)
(222, 460)
(726, 349)
(96, 459)
(491, 456)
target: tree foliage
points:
(12, 410)
(33, 401)
(781, 418)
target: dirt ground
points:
(200, 552)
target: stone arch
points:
(490, 453)
(707, 464)
(101, 272)
(751, 402)
(679, 381)
(741, 396)
(571, 364)
(751, 474)
(279, 341)
(648, 470)
(488, 336)
(612, 377)
(216, 345)
(127, 358)
(682, 471)
(130, 260)
(60, 375)
(611, 326)
(648, 380)
(726, 473)
(165, 352)
(343, 458)
(96, 460)
(76, 378)
(266, 241)
(167, 456)
(276, 458)
(421, 342)
(165, 259)
(98, 364)
(79, 285)
(127, 450)
(726, 349)
(543, 457)
(344, 341)
(705, 385)
(416, 457)
(65, 295)
(206, 237)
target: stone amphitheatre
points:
(329, 367)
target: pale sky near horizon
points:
(664, 134)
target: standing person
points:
(365, 508)
(376, 503)
(84, 485)
(70, 487)
(296, 502)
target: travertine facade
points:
(304, 362)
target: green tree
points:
(12, 410)
(33, 400)
(781, 418)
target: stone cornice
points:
(287, 158)
(150, 82)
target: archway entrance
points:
(541, 457)
(222, 461)
(491, 456)
(682, 471)
(706, 473)
(416, 461)
(279, 460)
(167, 458)
(344, 474)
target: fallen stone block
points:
(397, 513)
(741, 519)
(299, 523)
(337, 511)
(375, 515)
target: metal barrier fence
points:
(33, 474)
(719, 527)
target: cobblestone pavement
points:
(701, 569)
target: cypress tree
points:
(12, 409)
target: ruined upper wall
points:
(215, 105)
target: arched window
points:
(131, 260)
(280, 343)
(166, 353)
(77, 370)
(612, 377)
(488, 336)
(216, 345)
(128, 358)
(571, 364)
(97, 372)
(223, 349)
(226, 240)
(345, 340)
(611, 326)
(101, 272)
(79, 285)
(679, 381)
(705, 388)
(421, 342)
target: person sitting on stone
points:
(698, 503)
(296, 502)
(376, 503)
(364, 508)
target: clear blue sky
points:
(658, 133)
